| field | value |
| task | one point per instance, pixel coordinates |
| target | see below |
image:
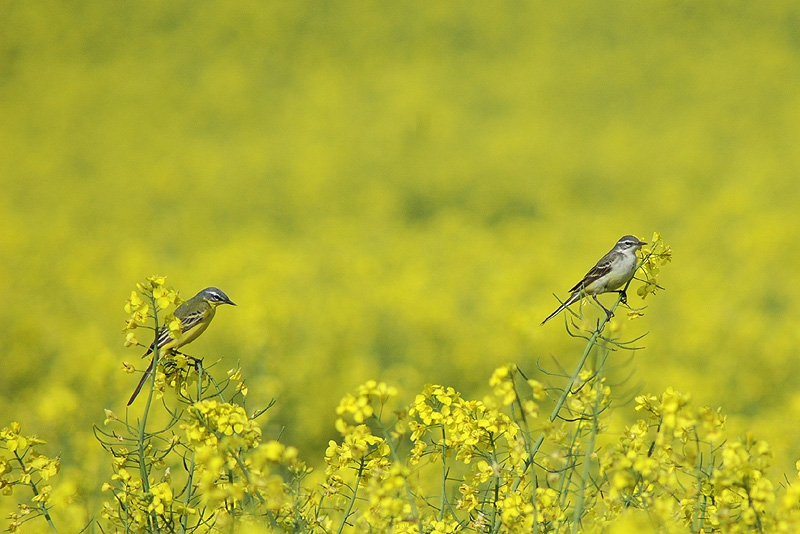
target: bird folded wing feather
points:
(192, 320)
(602, 268)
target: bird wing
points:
(602, 268)
(188, 321)
(191, 320)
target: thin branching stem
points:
(444, 474)
(587, 458)
(352, 501)
(41, 505)
(142, 433)
(396, 458)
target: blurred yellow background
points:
(394, 191)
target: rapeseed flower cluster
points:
(232, 463)
(366, 455)
(216, 469)
(24, 466)
(256, 170)
(131, 504)
(675, 464)
(360, 446)
(655, 254)
(444, 463)
(678, 466)
(230, 472)
(444, 421)
(144, 306)
(481, 452)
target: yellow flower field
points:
(392, 194)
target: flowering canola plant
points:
(533, 455)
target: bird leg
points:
(609, 313)
(623, 297)
(196, 362)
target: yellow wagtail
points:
(195, 315)
(613, 271)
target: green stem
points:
(535, 505)
(700, 477)
(526, 435)
(708, 474)
(576, 373)
(190, 479)
(189, 492)
(497, 522)
(495, 526)
(568, 388)
(396, 458)
(41, 505)
(566, 479)
(444, 476)
(352, 498)
(296, 488)
(140, 438)
(587, 456)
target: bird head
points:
(630, 241)
(215, 296)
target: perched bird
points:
(612, 272)
(195, 315)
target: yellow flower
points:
(164, 297)
(156, 281)
(174, 326)
(133, 303)
(45, 466)
(655, 254)
(531, 408)
(444, 527)
(539, 392)
(358, 407)
(15, 442)
(130, 339)
(162, 494)
(469, 497)
(273, 450)
(499, 375)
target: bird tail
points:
(572, 299)
(141, 382)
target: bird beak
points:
(642, 243)
(229, 301)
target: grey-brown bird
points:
(612, 272)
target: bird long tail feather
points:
(141, 382)
(572, 299)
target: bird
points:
(194, 315)
(612, 272)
